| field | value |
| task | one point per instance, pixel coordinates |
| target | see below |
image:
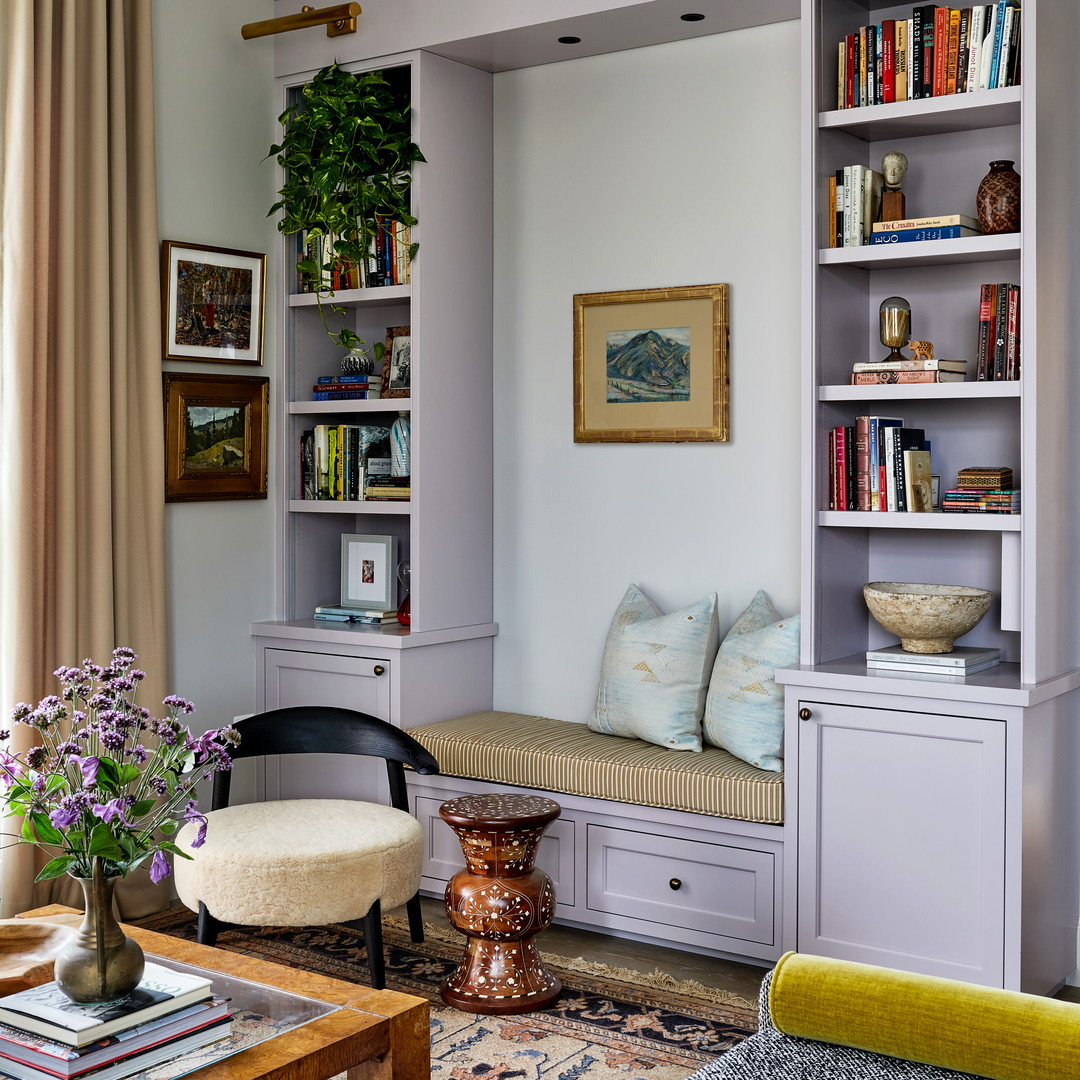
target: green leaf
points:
(46, 832)
(57, 867)
(103, 844)
(129, 774)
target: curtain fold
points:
(82, 565)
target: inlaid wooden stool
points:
(500, 902)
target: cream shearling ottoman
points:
(300, 862)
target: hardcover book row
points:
(937, 51)
(387, 263)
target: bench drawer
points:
(712, 888)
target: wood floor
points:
(741, 979)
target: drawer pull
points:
(675, 884)
(805, 714)
(379, 669)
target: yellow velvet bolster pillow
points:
(1000, 1034)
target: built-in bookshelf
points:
(440, 660)
(958, 857)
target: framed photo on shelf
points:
(397, 363)
(212, 302)
(651, 365)
(368, 571)
(215, 436)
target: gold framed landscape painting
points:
(651, 365)
(216, 430)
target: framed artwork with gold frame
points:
(215, 436)
(651, 365)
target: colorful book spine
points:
(906, 236)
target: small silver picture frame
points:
(367, 571)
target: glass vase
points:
(100, 963)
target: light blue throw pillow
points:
(655, 672)
(744, 710)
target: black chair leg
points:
(416, 918)
(372, 926)
(208, 927)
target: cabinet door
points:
(902, 840)
(296, 678)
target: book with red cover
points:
(987, 314)
(941, 51)
(862, 462)
(849, 87)
(888, 60)
(1012, 333)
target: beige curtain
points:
(81, 501)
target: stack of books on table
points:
(963, 660)
(43, 1033)
(372, 616)
(388, 487)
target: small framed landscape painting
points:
(651, 365)
(367, 572)
(212, 303)
(215, 436)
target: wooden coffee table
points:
(370, 1035)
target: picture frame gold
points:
(212, 303)
(216, 429)
(651, 365)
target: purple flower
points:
(113, 810)
(88, 766)
(66, 814)
(191, 813)
(159, 867)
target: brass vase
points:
(100, 963)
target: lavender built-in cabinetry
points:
(936, 818)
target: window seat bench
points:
(669, 846)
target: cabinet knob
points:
(805, 714)
(675, 884)
(379, 669)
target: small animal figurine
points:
(922, 350)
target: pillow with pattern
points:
(744, 709)
(655, 672)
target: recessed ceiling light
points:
(692, 16)
(568, 40)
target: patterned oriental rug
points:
(608, 1023)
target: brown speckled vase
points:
(997, 201)
(500, 902)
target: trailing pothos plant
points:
(347, 155)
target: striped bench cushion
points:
(553, 755)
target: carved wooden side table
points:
(500, 902)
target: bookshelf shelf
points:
(333, 506)
(385, 295)
(863, 519)
(1003, 744)
(928, 116)
(965, 249)
(974, 391)
(349, 408)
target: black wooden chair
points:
(310, 862)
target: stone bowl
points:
(926, 618)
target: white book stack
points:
(962, 661)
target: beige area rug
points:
(608, 1023)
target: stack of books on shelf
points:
(338, 461)
(983, 490)
(388, 487)
(387, 262)
(962, 661)
(43, 1033)
(368, 616)
(935, 51)
(914, 230)
(914, 370)
(347, 388)
(878, 464)
(998, 356)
